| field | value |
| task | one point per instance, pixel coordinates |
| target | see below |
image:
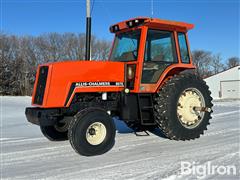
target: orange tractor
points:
(148, 82)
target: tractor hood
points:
(56, 83)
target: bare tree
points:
(233, 62)
(100, 49)
(202, 61)
(216, 64)
(20, 56)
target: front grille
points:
(41, 85)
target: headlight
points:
(135, 22)
(130, 72)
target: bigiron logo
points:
(208, 168)
(86, 84)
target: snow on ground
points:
(26, 154)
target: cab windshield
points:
(125, 47)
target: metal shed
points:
(226, 84)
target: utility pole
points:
(88, 30)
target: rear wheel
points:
(58, 132)
(183, 107)
(92, 132)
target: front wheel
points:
(183, 107)
(58, 132)
(92, 132)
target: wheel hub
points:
(92, 131)
(96, 133)
(62, 126)
(187, 112)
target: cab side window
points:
(160, 52)
(160, 46)
(183, 48)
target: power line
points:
(92, 7)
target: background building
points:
(226, 84)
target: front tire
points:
(92, 132)
(54, 133)
(181, 107)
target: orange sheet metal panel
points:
(63, 74)
(152, 88)
(180, 26)
(169, 23)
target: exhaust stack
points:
(88, 31)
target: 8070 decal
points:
(87, 84)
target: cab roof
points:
(138, 21)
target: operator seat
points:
(127, 55)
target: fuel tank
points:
(56, 83)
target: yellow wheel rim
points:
(187, 115)
(96, 133)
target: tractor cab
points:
(151, 48)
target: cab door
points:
(160, 53)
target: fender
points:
(168, 72)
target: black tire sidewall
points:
(166, 103)
(52, 134)
(174, 120)
(78, 133)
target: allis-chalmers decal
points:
(86, 84)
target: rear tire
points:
(174, 107)
(92, 132)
